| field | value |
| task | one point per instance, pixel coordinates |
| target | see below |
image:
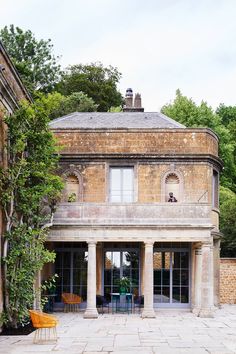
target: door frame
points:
(120, 249)
(171, 304)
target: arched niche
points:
(73, 186)
(172, 182)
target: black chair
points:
(102, 302)
(138, 302)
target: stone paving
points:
(172, 332)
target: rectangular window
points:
(121, 184)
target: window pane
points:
(121, 184)
(176, 294)
(128, 179)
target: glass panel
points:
(107, 277)
(135, 277)
(157, 260)
(176, 277)
(166, 260)
(176, 294)
(115, 192)
(184, 277)
(116, 259)
(166, 277)
(79, 260)
(184, 259)
(83, 277)
(165, 294)
(176, 259)
(126, 259)
(157, 277)
(108, 260)
(66, 277)
(126, 272)
(157, 294)
(66, 259)
(184, 295)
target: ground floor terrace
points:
(162, 275)
(171, 332)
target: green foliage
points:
(187, 112)
(34, 59)
(97, 81)
(228, 222)
(58, 105)
(29, 191)
(223, 122)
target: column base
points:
(148, 313)
(196, 311)
(91, 313)
(206, 313)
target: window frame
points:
(121, 167)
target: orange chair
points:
(71, 301)
(40, 321)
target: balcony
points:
(133, 214)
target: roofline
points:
(16, 74)
(136, 130)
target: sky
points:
(157, 45)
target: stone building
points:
(115, 218)
(12, 91)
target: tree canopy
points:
(222, 121)
(33, 59)
(187, 112)
(95, 80)
(58, 105)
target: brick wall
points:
(228, 280)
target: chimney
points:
(129, 98)
(137, 101)
(129, 106)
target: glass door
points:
(71, 266)
(171, 278)
(118, 264)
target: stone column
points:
(207, 281)
(37, 291)
(197, 280)
(91, 310)
(148, 310)
(99, 254)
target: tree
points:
(29, 191)
(97, 81)
(222, 122)
(33, 59)
(185, 111)
(228, 222)
(58, 105)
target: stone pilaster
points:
(91, 310)
(148, 310)
(216, 254)
(207, 281)
(197, 280)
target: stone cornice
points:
(75, 158)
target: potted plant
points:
(124, 285)
(72, 198)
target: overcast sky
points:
(157, 45)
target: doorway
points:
(171, 277)
(118, 264)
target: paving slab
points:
(171, 332)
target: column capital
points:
(91, 242)
(198, 251)
(148, 243)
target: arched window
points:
(72, 187)
(172, 187)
